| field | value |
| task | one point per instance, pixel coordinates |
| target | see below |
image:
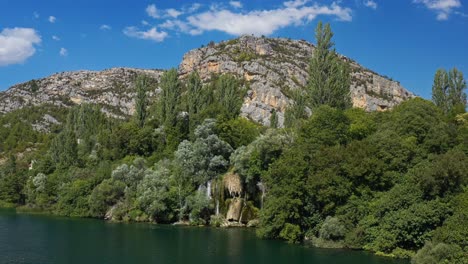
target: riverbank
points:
(309, 243)
(24, 238)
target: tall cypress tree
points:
(229, 95)
(194, 97)
(170, 98)
(448, 91)
(141, 100)
(329, 80)
(456, 93)
(439, 90)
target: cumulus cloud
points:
(236, 4)
(264, 22)
(193, 8)
(52, 19)
(150, 34)
(17, 45)
(63, 52)
(443, 8)
(56, 38)
(173, 12)
(105, 27)
(231, 19)
(371, 4)
(152, 11)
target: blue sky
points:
(407, 40)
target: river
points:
(37, 239)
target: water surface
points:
(37, 239)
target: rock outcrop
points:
(274, 67)
(113, 89)
(271, 67)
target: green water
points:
(46, 239)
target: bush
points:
(291, 233)
(332, 229)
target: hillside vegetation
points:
(392, 182)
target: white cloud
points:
(295, 3)
(17, 45)
(63, 52)
(371, 4)
(144, 23)
(173, 12)
(152, 11)
(151, 34)
(55, 38)
(175, 25)
(105, 27)
(263, 22)
(193, 8)
(443, 8)
(52, 19)
(236, 4)
(36, 15)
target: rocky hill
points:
(271, 67)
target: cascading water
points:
(208, 190)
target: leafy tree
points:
(448, 91)
(206, 157)
(153, 195)
(329, 79)
(332, 229)
(105, 195)
(456, 93)
(170, 98)
(141, 99)
(274, 119)
(229, 95)
(440, 90)
(296, 111)
(238, 132)
(194, 97)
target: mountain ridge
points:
(272, 67)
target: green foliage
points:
(238, 132)
(274, 119)
(141, 100)
(439, 254)
(296, 112)
(229, 94)
(448, 91)
(329, 76)
(105, 195)
(332, 229)
(170, 97)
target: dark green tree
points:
(141, 100)
(440, 90)
(456, 92)
(329, 80)
(170, 98)
(229, 95)
(448, 91)
(273, 119)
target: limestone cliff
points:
(272, 68)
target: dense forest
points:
(392, 182)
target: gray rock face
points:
(272, 68)
(113, 89)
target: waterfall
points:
(261, 186)
(208, 190)
(217, 206)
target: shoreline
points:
(304, 242)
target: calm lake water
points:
(40, 239)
